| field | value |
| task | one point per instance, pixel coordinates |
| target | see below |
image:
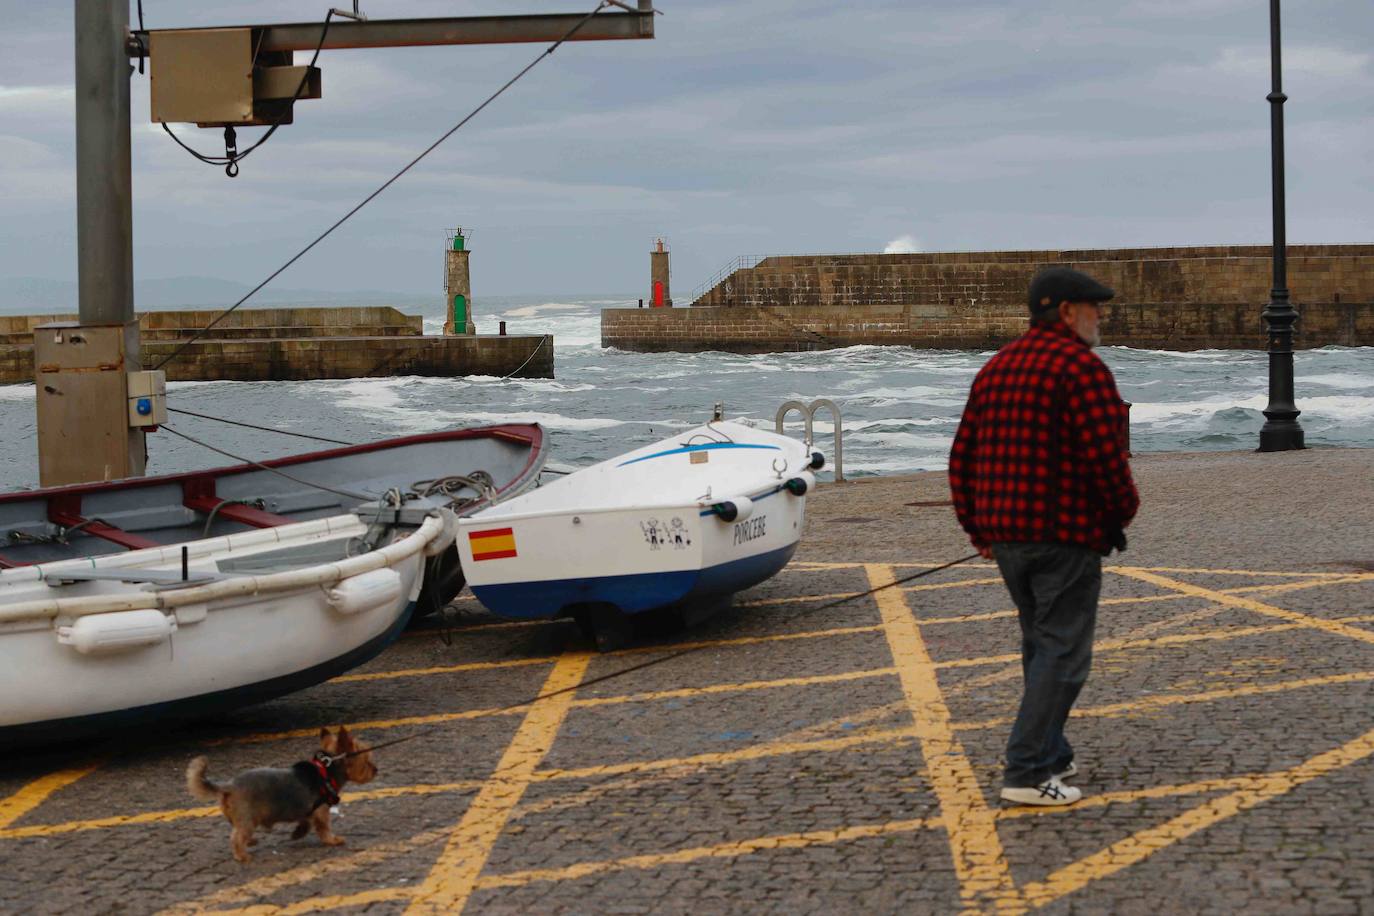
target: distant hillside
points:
(39, 295)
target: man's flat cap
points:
(1054, 285)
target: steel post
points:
(104, 205)
(1281, 431)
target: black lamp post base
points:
(1280, 437)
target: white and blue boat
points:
(682, 524)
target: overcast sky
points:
(747, 127)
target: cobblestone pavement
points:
(812, 758)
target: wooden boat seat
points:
(99, 529)
(235, 512)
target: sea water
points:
(900, 406)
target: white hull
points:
(646, 530)
(86, 655)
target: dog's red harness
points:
(329, 788)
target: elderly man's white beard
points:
(1090, 333)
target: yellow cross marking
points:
(1150, 703)
(1144, 843)
(450, 882)
(1250, 604)
(980, 863)
(718, 851)
(35, 793)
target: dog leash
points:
(669, 657)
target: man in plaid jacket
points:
(1041, 483)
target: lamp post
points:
(1281, 431)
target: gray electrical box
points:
(213, 78)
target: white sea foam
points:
(531, 311)
(1338, 380)
(1334, 407)
(890, 440)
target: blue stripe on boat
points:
(632, 594)
(698, 448)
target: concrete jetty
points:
(1184, 298)
(292, 344)
(813, 756)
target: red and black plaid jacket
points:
(1039, 455)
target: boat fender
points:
(817, 461)
(798, 485)
(445, 537)
(734, 510)
(96, 634)
(366, 592)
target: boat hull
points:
(679, 524)
(183, 709)
(92, 646)
(634, 593)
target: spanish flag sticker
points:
(492, 544)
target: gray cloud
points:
(744, 128)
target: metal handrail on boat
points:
(808, 412)
(324, 574)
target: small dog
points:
(301, 795)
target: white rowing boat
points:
(683, 523)
(101, 643)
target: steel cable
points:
(388, 183)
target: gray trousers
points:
(1055, 589)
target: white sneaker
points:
(1069, 772)
(1052, 792)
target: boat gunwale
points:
(531, 434)
(321, 574)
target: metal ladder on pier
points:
(808, 412)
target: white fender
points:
(367, 592)
(117, 632)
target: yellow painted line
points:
(443, 669)
(319, 904)
(684, 692)
(374, 724)
(984, 875)
(450, 882)
(1119, 645)
(40, 790)
(698, 853)
(638, 650)
(270, 884)
(962, 583)
(1150, 703)
(1232, 572)
(1301, 584)
(1250, 604)
(181, 814)
(756, 752)
(965, 618)
(1145, 843)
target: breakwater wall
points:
(1156, 326)
(1187, 298)
(1203, 274)
(297, 344)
